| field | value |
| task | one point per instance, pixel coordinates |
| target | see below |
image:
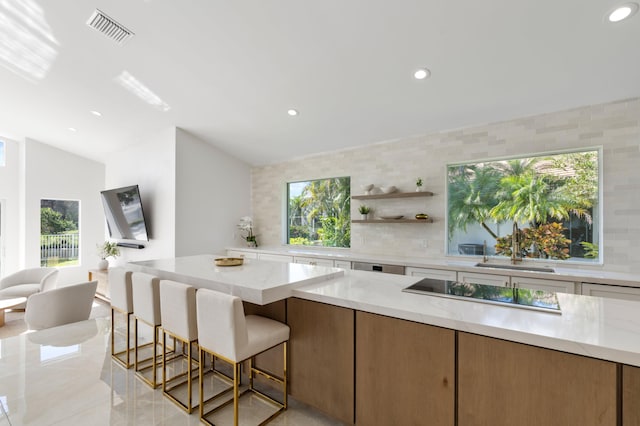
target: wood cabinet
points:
(440, 274)
(506, 383)
(102, 276)
(613, 291)
(321, 367)
(405, 372)
(630, 395)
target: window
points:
(2, 154)
(59, 233)
(553, 198)
(319, 212)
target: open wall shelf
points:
(393, 195)
(393, 221)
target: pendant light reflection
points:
(135, 86)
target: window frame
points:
(598, 221)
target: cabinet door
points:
(546, 285)
(342, 264)
(486, 279)
(276, 257)
(430, 273)
(314, 261)
(405, 372)
(321, 366)
(506, 383)
(630, 395)
(612, 291)
(244, 254)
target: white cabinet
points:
(430, 273)
(553, 286)
(244, 254)
(275, 257)
(344, 264)
(313, 261)
(612, 291)
(486, 279)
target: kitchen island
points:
(367, 353)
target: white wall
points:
(10, 196)
(212, 193)
(151, 166)
(50, 173)
(614, 126)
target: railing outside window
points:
(59, 249)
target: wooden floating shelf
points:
(393, 221)
(393, 195)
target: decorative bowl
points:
(367, 188)
(388, 189)
(422, 216)
(229, 261)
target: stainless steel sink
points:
(514, 267)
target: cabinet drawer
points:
(431, 273)
(313, 261)
(545, 285)
(486, 279)
(342, 264)
(244, 254)
(612, 291)
(275, 257)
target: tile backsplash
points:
(615, 126)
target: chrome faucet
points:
(485, 259)
(515, 244)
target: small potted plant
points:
(106, 250)
(246, 225)
(364, 211)
(419, 183)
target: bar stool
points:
(178, 311)
(121, 302)
(225, 332)
(146, 308)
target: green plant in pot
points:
(364, 211)
(106, 250)
(419, 183)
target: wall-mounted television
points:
(123, 211)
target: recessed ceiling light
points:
(72, 129)
(623, 12)
(422, 73)
(96, 113)
(292, 112)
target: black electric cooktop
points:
(517, 297)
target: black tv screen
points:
(123, 211)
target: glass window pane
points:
(319, 212)
(2, 154)
(553, 198)
(59, 233)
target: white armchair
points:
(60, 306)
(27, 282)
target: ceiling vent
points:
(109, 27)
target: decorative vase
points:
(252, 243)
(418, 189)
(365, 216)
(103, 264)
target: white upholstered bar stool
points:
(122, 303)
(178, 311)
(146, 308)
(225, 332)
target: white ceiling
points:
(230, 69)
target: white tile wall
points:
(614, 126)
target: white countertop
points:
(596, 327)
(569, 272)
(255, 281)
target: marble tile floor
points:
(65, 376)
